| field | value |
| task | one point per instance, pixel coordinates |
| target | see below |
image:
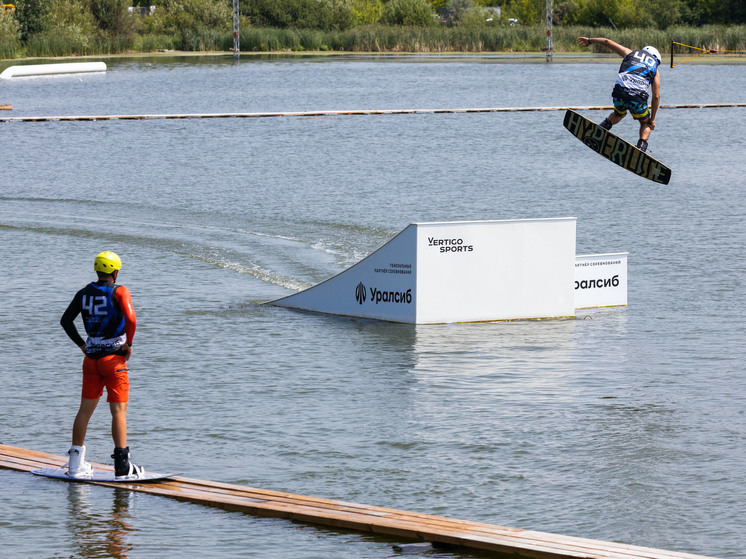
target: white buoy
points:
(52, 69)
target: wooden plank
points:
(6, 107)
(348, 113)
(378, 520)
(385, 521)
(343, 523)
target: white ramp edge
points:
(28, 70)
(469, 271)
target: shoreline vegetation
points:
(394, 40)
(63, 28)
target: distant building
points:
(141, 10)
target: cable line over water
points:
(703, 51)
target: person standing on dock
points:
(638, 73)
(110, 322)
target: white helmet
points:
(653, 52)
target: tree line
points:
(60, 27)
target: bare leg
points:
(80, 425)
(645, 129)
(615, 118)
(119, 423)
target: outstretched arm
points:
(608, 43)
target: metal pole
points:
(550, 40)
(236, 41)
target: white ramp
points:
(601, 280)
(467, 271)
(28, 70)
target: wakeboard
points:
(101, 475)
(615, 149)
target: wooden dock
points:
(375, 520)
(345, 113)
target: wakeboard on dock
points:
(101, 475)
(615, 149)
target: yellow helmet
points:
(107, 262)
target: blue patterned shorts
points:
(638, 109)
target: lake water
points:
(625, 424)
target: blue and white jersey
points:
(636, 73)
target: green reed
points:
(378, 38)
(485, 39)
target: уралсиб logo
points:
(360, 293)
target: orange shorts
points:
(109, 371)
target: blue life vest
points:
(102, 319)
(636, 73)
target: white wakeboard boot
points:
(77, 467)
(123, 468)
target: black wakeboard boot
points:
(123, 468)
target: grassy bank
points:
(492, 39)
(383, 39)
